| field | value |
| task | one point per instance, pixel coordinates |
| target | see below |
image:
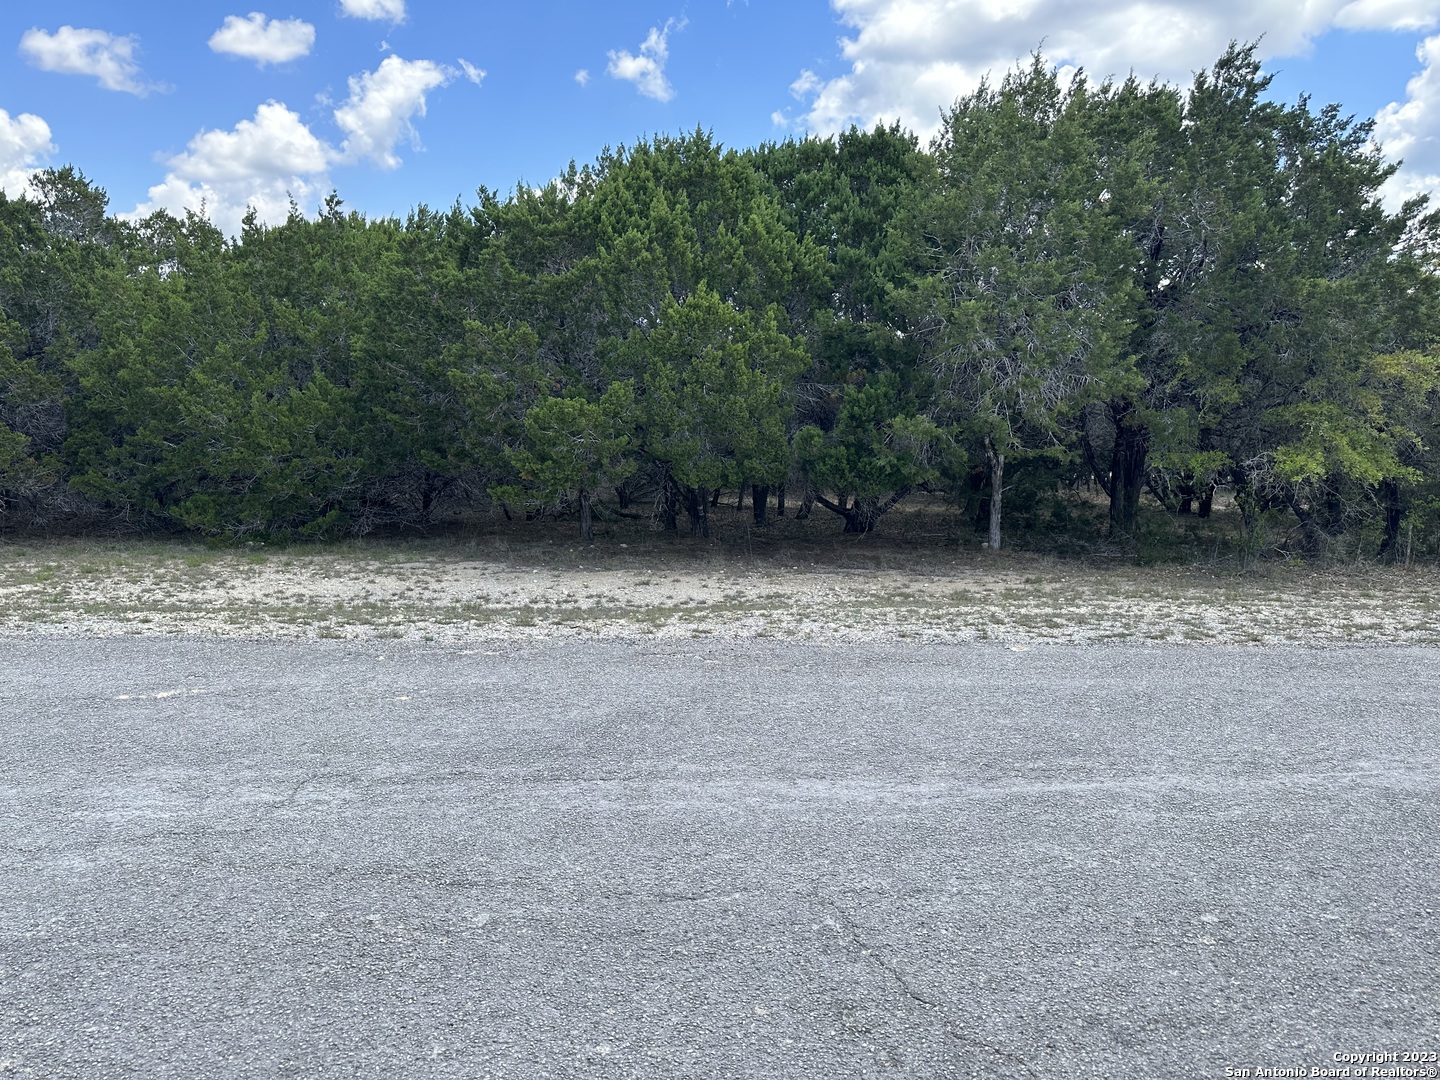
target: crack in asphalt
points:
(289, 800)
(851, 932)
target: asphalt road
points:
(250, 860)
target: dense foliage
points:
(1151, 292)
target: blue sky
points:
(396, 102)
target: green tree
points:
(572, 448)
(1023, 298)
(711, 405)
(875, 454)
(1266, 278)
(853, 197)
(59, 255)
(195, 412)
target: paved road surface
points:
(249, 860)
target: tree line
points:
(1147, 289)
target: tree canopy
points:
(1150, 291)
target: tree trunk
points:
(1161, 488)
(1207, 500)
(1087, 447)
(861, 514)
(715, 498)
(980, 519)
(780, 501)
(859, 518)
(1248, 503)
(997, 491)
(1311, 533)
(759, 501)
(1320, 521)
(1127, 468)
(1394, 515)
(740, 498)
(697, 504)
(670, 505)
(587, 524)
(1186, 493)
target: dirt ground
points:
(544, 584)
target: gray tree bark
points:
(587, 523)
(997, 491)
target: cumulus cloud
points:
(263, 162)
(71, 51)
(1410, 130)
(382, 105)
(266, 41)
(1389, 15)
(274, 157)
(24, 145)
(806, 84)
(393, 10)
(646, 69)
(582, 77)
(908, 59)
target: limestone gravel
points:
(456, 599)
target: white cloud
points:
(382, 105)
(70, 51)
(806, 84)
(779, 119)
(1411, 130)
(473, 73)
(394, 10)
(24, 145)
(266, 41)
(582, 77)
(262, 162)
(1388, 15)
(647, 68)
(267, 161)
(908, 59)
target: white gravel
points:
(440, 597)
